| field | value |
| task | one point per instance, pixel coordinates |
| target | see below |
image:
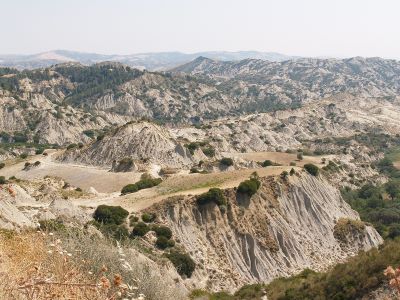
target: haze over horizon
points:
(307, 28)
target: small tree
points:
(249, 187)
(164, 243)
(162, 230)
(215, 195)
(226, 161)
(183, 263)
(129, 188)
(140, 229)
(311, 169)
(110, 214)
(300, 155)
(267, 163)
(148, 218)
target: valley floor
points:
(105, 186)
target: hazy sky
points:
(298, 27)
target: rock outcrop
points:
(286, 227)
(144, 143)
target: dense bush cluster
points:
(183, 263)
(267, 163)
(148, 217)
(351, 280)
(311, 169)
(214, 195)
(140, 229)
(373, 208)
(144, 183)
(95, 80)
(163, 231)
(247, 292)
(110, 214)
(3, 180)
(226, 161)
(110, 220)
(249, 187)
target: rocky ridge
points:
(284, 228)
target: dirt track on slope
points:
(109, 184)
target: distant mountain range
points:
(149, 61)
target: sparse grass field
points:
(282, 158)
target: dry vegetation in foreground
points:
(75, 265)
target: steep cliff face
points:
(286, 227)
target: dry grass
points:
(74, 265)
(282, 158)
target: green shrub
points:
(192, 147)
(394, 231)
(144, 183)
(292, 172)
(148, 218)
(140, 229)
(71, 146)
(250, 292)
(78, 189)
(89, 133)
(267, 163)
(162, 230)
(132, 220)
(110, 214)
(182, 262)
(37, 163)
(300, 156)
(209, 151)
(393, 189)
(311, 169)
(249, 187)
(284, 174)
(226, 161)
(148, 183)
(163, 243)
(2, 165)
(3, 180)
(214, 195)
(292, 164)
(24, 155)
(39, 151)
(346, 281)
(130, 188)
